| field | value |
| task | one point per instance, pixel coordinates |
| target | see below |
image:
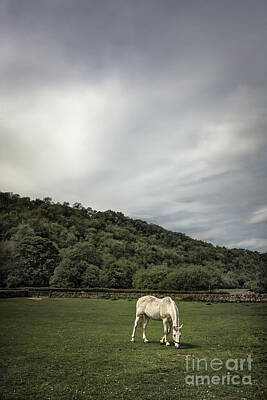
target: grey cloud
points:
(128, 37)
(258, 216)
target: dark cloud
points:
(154, 108)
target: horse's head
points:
(176, 334)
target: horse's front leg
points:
(169, 326)
(145, 322)
(166, 332)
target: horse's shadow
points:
(182, 345)
(188, 346)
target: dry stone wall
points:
(207, 297)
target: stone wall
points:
(207, 297)
(5, 293)
(250, 298)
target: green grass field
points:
(80, 349)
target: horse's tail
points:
(140, 322)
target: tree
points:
(71, 272)
(188, 277)
(68, 274)
(90, 277)
(115, 276)
(230, 280)
(151, 278)
(7, 256)
(35, 260)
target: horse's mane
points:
(175, 311)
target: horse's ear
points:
(180, 327)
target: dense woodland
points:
(58, 245)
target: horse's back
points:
(153, 307)
(145, 300)
(150, 306)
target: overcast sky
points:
(156, 108)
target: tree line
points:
(43, 243)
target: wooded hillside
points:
(42, 244)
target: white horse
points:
(159, 309)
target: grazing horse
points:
(159, 309)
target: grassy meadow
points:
(61, 349)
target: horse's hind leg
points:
(145, 322)
(137, 319)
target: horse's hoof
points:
(161, 342)
(168, 344)
(132, 340)
(146, 341)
